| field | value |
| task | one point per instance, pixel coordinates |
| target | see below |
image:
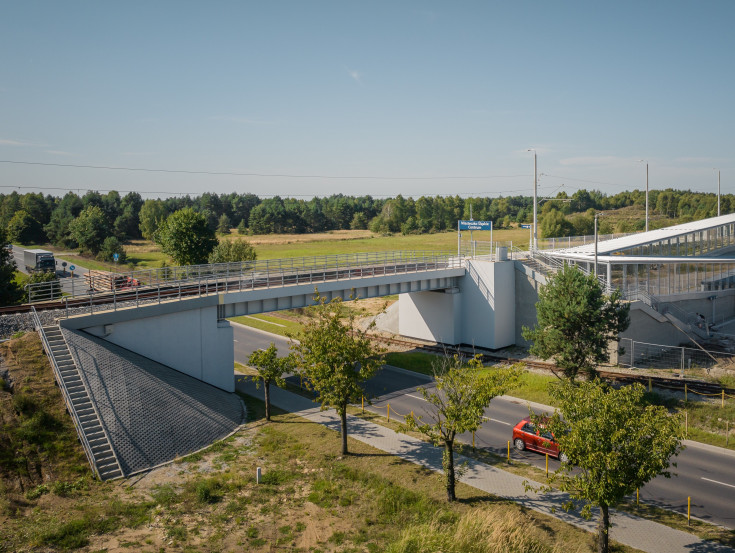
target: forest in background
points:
(68, 221)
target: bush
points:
(231, 251)
(110, 247)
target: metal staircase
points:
(86, 419)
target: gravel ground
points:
(21, 322)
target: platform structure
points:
(698, 256)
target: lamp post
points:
(718, 190)
(596, 215)
(532, 247)
(646, 162)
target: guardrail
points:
(64, 392)
(238, 277)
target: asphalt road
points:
(705, 474)
(70, 285)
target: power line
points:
(232, 174)
(166, 192)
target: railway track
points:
(695, 386)
(162, 293)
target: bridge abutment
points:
(192, 341)
(479, 311)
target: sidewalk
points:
(627, 529)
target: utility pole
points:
(534, 239)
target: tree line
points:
(86, 221)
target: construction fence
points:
(642, 355)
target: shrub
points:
(110, 247)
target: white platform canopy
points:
(611, 247)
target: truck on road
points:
(39, 261)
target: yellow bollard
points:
(686, 424)
(389, 412)
(509, 452)
(637, 497)
(363, 405)
(547, 465)
(649, 383)
(689, 511)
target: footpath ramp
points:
(152, 413)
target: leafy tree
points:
(335, 358)
(554, 225)
(10, 292)
(615, 443)
(359, 222)
(63, 214)
(242, 227)
(110, 247)
(576, 322)
(24, 229)
(152, 214)
(230, 251)
(271, 369)
(224, 224)
(90, 229)
(463, 392)
(186, 237)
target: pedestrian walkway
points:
(627, 529)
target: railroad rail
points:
(695, 386)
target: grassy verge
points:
(269, 323)
(705, 419)
(666, 517)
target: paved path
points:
(627, 529)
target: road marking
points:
(501, 422)
(416, 397)
(717, 482)
(234, 340)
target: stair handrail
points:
(64, 392)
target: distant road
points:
(706, 474)
(67, 284)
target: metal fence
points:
(173, 283)
(643, 355)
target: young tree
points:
(271, 369)
(90, 229)
(224, 225)
(186, 237)
(228, 251)
(463, 392)
(10, 292)
(110, 247)
(152, 214)
(336, 357)
(615, 444)
(576, 322)
(24, 229)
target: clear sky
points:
(430, 97)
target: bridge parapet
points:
(204, 280)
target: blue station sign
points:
(475, 225)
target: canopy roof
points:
(609, 247)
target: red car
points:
(527, 436)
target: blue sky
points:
(432, 97)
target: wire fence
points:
(644, 355)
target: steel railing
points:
(64, 392)
(171, 283)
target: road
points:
(70, 285)
(705, 474)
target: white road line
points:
(501, 422)
(416, 397)
(717, 482)
(234, 340)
